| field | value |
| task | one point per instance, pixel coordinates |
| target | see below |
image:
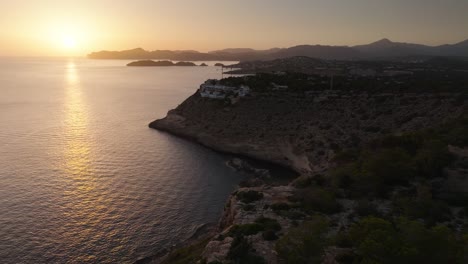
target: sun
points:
(69, 42)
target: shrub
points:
(303, 182)
(248, 207)
(269, 235)
(241, 251)
(249, 196)
(280, 206)
(189, 254)
(389, 167)
(268, 223)
(432, 158)
(366, 208)
(245, 230)
(293, 215)
(410, 142)
(305, 243)
(343, 176)
(319, 199)
(346, 156)
(379, 241)
(456, 133)
(261, 224)
(423, 207)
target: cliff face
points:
(304, 132)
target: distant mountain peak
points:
(384, 41)
(383, 48)
(464, 43)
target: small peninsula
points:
(165, 63)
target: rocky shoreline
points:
(303, 133)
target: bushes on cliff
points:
(365, 207)
(188, 254)
(422, 206)
(455, 133)
(241, 252)
(379, 241)
(245, 230)
(388, 167)
(249, 196)
(268, 223)
(262, 224)
(317, 199)
(375, 171)
(372, 173)
(280, 206)
(305, 243)
(431, 158)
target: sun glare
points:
(69, 42)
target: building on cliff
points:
(214, 90)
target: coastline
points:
(203, 232)
(224, 149)
(216, 124)
(302, 133)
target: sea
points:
(82, 177)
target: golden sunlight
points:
(67, 38)
(69, 42)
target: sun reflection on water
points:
(84, 201)
(77, 147)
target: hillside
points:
(376, 166)
(381, 49)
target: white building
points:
(213, 89)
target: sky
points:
(75, 28)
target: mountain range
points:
(382, 49)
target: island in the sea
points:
(381, 149)
(163, 63)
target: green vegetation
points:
(189, 254)
(413, 224)
(269, 235)
(422, 206)
(317, 199)
(261, 224)
(407, 171)
(248, 207)
(241, 252)
(280, 206)
(396, 161)
(379, 241)
(305, 243)
(419, 82)
(249, 196)
(365, 207)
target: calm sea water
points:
(82, 177)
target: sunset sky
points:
(58, 28)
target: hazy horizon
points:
(76, 28)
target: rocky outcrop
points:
(185, 63)
(165, 63)
(304, 131)
(237, 213)
(150, 63)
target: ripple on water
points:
(82, 178)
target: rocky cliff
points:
(304, 131)
(269, 223)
